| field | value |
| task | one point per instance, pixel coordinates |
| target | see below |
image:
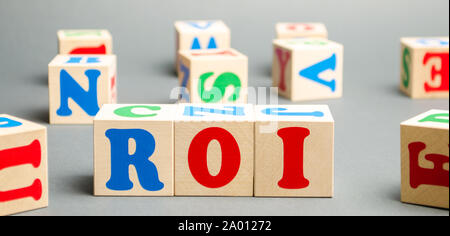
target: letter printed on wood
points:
(301, 30)
(424, 158)
(134, 150)
(84, 42)
(23, 165)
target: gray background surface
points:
(367, 171)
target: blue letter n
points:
(87, 100)
(121, 160)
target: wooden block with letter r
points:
(79, 85)
(214, 76)
(301, 30)
(424, 158)
(134, 150)
(294, 151)
(23, 165)
(214, 150)
(84, 42)
(425, 67)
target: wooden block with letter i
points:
(308, 68)
(301, 30)
(424, 67)
(424, 158)
(214, 76)
(134, 150)
(79, 86)
(83, 42)
(23, 165)
(214, 150)
(294, 151)
(201, 35)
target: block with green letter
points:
(133, 150)
(213, 76)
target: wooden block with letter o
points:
(214, 150)
(214, 76)
(201, 35)
(134, 150)
(294, 151)
(79, 85)
(301, 30)
(23, 165)
(308, 68)
(84, 42)
(425, 67)
(424, 158)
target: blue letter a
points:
(121, 160)
(88, 101)
(314, 71)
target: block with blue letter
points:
(425, 159)
(134, 150)
(201, 35)
(214, 150)
(213, 76)
(294, 151)
(308, 68)
(23, 165)
(79, 85)
(425, 67)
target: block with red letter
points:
(214, 150)
(425, 67)
(308, 68)
(79, 85)
(23, 165)
(214, 76)
(201, 35)
(84, 42)
(294, 151)
(424, 158)
(134, 150)
(301, 30)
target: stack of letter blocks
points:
(306, 65)
(209, 70)
(425, 159)
(82, 77)
(425, 67)
(214, 150)
(23, 165)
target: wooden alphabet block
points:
(84, 42)
(214, 76)
(23, 165)
(294, 151)
(425, 66)
(201, 35)
(424, 158)
(301, 30)
(214, 150)
(134, 150)
(308, 68)
(79, 86)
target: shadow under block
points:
(308, 68)
(214, 76)
(84, 42)
(79, 86)
(425, 159)
(214, 151)
(425, 67)
(201, 35)
(23, 165)
(301, 30)
(294, 151)
(134, 150)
